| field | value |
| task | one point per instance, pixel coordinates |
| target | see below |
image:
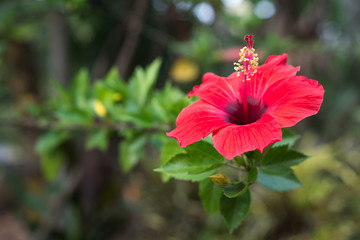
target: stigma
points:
(248, 61)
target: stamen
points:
(248, 61)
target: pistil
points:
(246, 65)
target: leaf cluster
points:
(134, 112)
(200, 162)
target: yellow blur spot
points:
(99, 108)
(184, 70)
(117, 97)
(220, 179)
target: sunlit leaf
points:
(142, 82)
(170, 149)
(288, 138)
(199, 157)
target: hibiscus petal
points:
(218, 91)
(272, 71)
(197, 121)
(209, 77)
(293, 99)
(234, 140)
(277, 59)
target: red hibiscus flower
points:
(246, 110)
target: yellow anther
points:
(248, 61)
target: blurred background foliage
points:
(77, 115)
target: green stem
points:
(235, 167)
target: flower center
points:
(248, 61)
(239, 117)
(247, 109)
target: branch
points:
(132, 36)
(31, 123)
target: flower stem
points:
(235, 167)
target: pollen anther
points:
(248, 61)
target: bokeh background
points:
(42, 41)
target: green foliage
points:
(50, 141)
(253, 174)
(288, 138)
(234, 190)
(210, 195)
(199, 161)
(275, 172)
(131, 151)
(142, 82)
(169, 150)
(278, 180)
(196, 164)
(112, 107)
(281, 157)
(136, 113)
(51, 163)
(97, 139)
(235, 209)
(52, 159)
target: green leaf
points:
(148, 83)
(142, 82)
(114, 80)
(63, 93)
(288, 138)
(80, 89)
(253, 173)
(279, 157)
(131, 151)
(171, 101)
(206, 151)
(170, 149)
(233, 190)
(50, 141)
(235, 210)
(51, 163)
(73, 117)
(194, 177)
(103, 93)
(210, 196)
(275, 172)
(97, 139)
(51, 158)
(159, 111)
(186, 163)
(200, 157)
(278, 180)
(134, 114)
